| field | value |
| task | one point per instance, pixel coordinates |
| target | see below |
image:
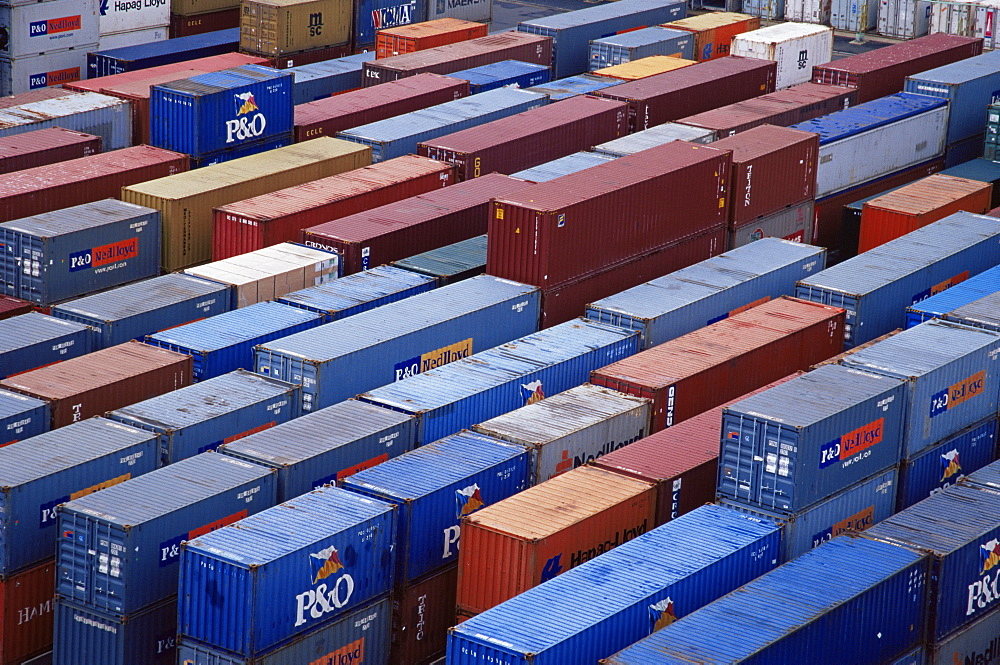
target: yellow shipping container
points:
(714, 32)
(643, 67)
(185, 200)
(281, 27)
(192, 7)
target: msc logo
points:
(662, 614)
(950, 465)
(103, 255)
(963, 391)
(532, 392)
(326, 597)
(243, 127)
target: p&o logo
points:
(244, 127)
(532, 392)
(662, 614)
(335, 591)
(950, 465)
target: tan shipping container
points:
(185, 200)
(643, 67)
(280, 27)
(192, 7)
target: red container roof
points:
(685, 77)
(212, 63)
(765, 106)
(362, 99)
(889, 56)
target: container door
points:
(741, 463)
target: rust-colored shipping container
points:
(533, 49)
(681, 461)
(882, 71)
(103, 381)
(412, 226)
(35, 96)
(326, 117)
(282, 27)
(643, 67)
(199, 24)
(531, 138)
(783, 108)
(262, 221)
(213, 63)
(26, 603)
(11, 306)
(309, 57)
(422, 613)
(918, 204)
(429, 34)
(45, 146)
(773, 168)
(709, 366)
(714, 31)
(683, 92)
(139, 92)
(84, 180)
(577, 225)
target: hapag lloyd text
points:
(245, 128)
(323, 599)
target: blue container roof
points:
(963, 293)
(869, 115)
(574, 85)
(596, 14)
(359, 288)
(326, 68)
(213, 82)
(498, 70)
(34, 328)
(170, 46)
(77, 218)
(969, 69)
(653, 35)
(140, 297)
(12, 404)
(240, 325)
(557, 168)
(986, 310)
(450, 259)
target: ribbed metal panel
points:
(34, 340)
(968, 86)
(557, 168)
(572, 86)
(963, 293)
(502, 74)
(451, 263)
(326, 78)
(654, 136)
(84, 636)
(983, 313)
(90, 112)
(359, 292)
(154, 54)
(21, 417)
(636, 44)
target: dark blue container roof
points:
(868, 116)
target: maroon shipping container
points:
(309, 57)
(45, 146)
(185, 26)
(262, 221)
(782, 108)
(564, 303)
(579, 224)
(531, 138)
(103, 381)
(422, 613)
(533, 49)
(84, 180)
(214, 63)
(35, 96)
(326, 117)
(10, 306)
(882, 71)
(664, 97)
(773, 168)
(414, 225)
(703, 369)
(681, 461)
(26, 601)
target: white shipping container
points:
(854, 15)
(480, 11)
(56, 25)
(771, 10)
(904, 19)
(796, 47)
(19, 75)
(131, 15)
(794, 223)
(133, 38)
(987, 14)
(89, 112)
(953, 18)
(808, 11)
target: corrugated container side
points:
(794, 223)
(964, 293)
(45, 146)
(21, 417)
(977, 640)
(107, 62)
(422, 613)
(83, 633)
(504, 73)
(795, 47)
(714, 32)
(10, 307)
(31, 341)
(637, 44)
(982, 313)
(396, 40)
(360, 292)
(327, 77)
(26, 599)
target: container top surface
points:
(34, 328)
(652, 137)
(77, 218)
(961, 294)
(685, 77)
(980, 169)
(450, 260)
(783, 32)
(642, 68)
(562, 166)
(143, 89)
(869, 115)
(708, 21)
(498, 70)
(895, 54)
(780, 101)
(361, 287)
(140, 297)
(596, 14)
(208, 64)
(57, 107)
(12, 404)
(175, 45)
(235, 327)
(970, 69)
(984, 310)
(227, 79)
(653, 35)
(763, 140)
(574, 85)
(451, 52)
(365, 98)
(929, 194)
(35, 96)
(427, 28)
(50, 137)
(318, 70)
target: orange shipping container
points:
(643, 67)
(714, 32)
(526, 539)
(429, 34)
(918, 204)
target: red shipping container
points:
(665, 97)
(10, 306)
(26, 603)
(326, 117)
(563, 303)
(533, 49)
(262, 221)
(682, 461)
(882, 71)
(35, 96)
(526, 539)
(309, 57)
(783, 108)
(412, 226)
(185, 26)
(45, 146)
(422, 613)
(703, 369)
(579, 224)
(214, 63)
(429, 34)
(531, 138)
(103, 381)
(139, 92)
(773, 168)
(84, 180)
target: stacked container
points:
(21, 417)
(33, 340)
(109, 61)
(714, 32)
(572, 86)
(451, 263)
(505, 73)
(636, 44)
(96, 114)
(642, 68)
(328, 77)
(195, 17)
(394, 40)
(286, 28)
(359, 292)
(652, 137)
(981, 314)
(557, 168)
(45, 146)
(795, 47)
(964, 293)
(126, 24)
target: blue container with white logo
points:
(218, 111)
(807, 439)
(504, 73)
(877, 286)
(359, 292)
(33, 340)
(322, 79)
(969, 85)
(243, 150)
(39, 474)
(154, 54)
(557, 168)
(328, 445)
(571, 86)
(492, 382)
(84, 636)
(370, 16)
(117, 549)
(342, 359)
(963, 293)
(636, 44)
(205, 415)
(437, 485)
(610, 602)
(225, 342)
(286, 570)
(709, 291)
(21, 417)
(983, 313)
(849, 601)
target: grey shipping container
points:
(90, 112)
(21, 417)
(326, 78)
(982, 313)
(654, 136)
(33, 340)
(451, 263)
(359, 292)
(557, 168)
(635, 44)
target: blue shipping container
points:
(136, 310)
(983, 313)
(322, 79)
(400, 135)
(328, 445)
(225, 342)
(203, 416)
(359, 292)
(659, 40)
(980, 170)
(248, 588)
(370, 16)
(33, 340)
(572, 86)
(117, 548)
(37, 475)
(977, 643)
(798, 443)
(342, 359)
(451, 263)
(557, 168)
(436, 486)
(85, 636)
(877, 286)
(591, 611)
(709, 291)
(849, 601)
(917, 656)
(21, 417)
(571, 32)
(963, 293)
(244, 150)
(469, 391)
(154, 54)
(504, 73)
(70, 252)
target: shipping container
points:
(653, 137)
(902, 19)
(794, 223)
(643, 68)
(359, 292)
(635, 44)
(33, 340)
(283, 27)
(121, 18)
(808, 11)
(199, 24)
(41, 94)
(856, 16)
(478, 10)
(26, 599)
(982, 313)
(422, 613)
(326, 78)
(451, 263)
(573, 86)
(155, 54)
(371, 16)
(45, 146)
(21, 417)
(56, 25)
(642, 585)
(977, 641)
(713, 32)
(103, 380)
(131, 38)
(795, 47)
(397, 40)
(213, 63)
(557, 168)
(83, 633)
(93, 113)
(963, 293)
(968, 86)
(504, 73)
(11, 307)
(199, 7)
